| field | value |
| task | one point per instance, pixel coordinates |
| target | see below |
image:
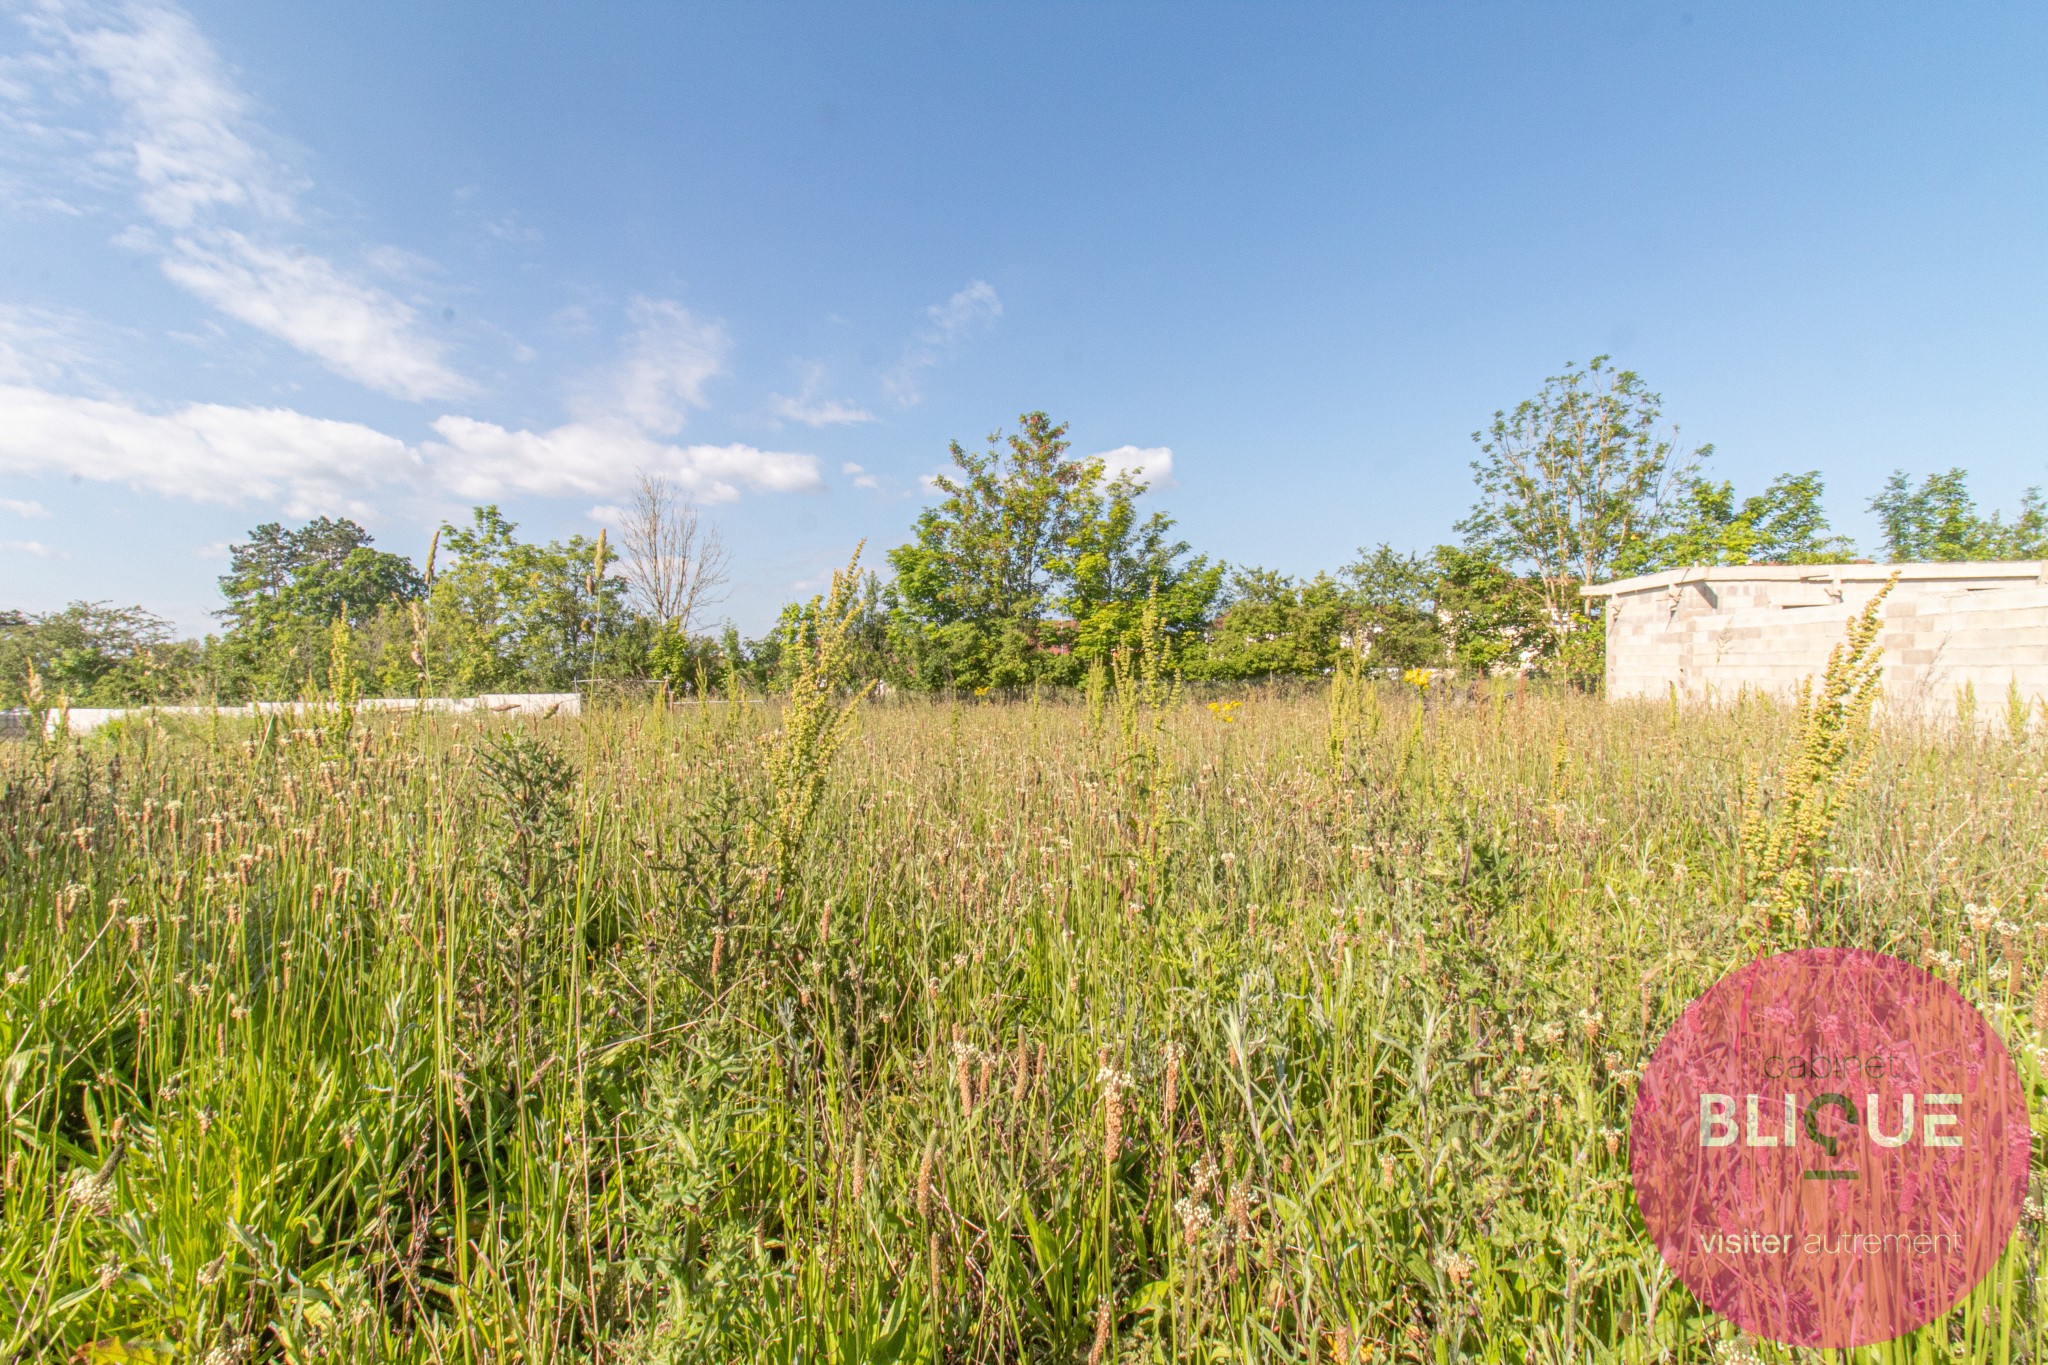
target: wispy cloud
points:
(182, 141)
(815, 411)
(22, 508)
(361, 332)
(184, 123)
(508, 228)
(663, 366)
(1151, 466)
(826, 412)
(35, 548)
(861, 478)
(948, 327)
(41, 345)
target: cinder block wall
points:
(1710, 633)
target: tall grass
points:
(1189, 1033)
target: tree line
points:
(1032, 568)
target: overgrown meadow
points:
(1131, 1026)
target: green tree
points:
(1272, 625)
(1571, 478)
(285, 588)
(1023, 533)
(509, 615)
(96, 654)
(1393, 602)
(1784, 524)
(1118, 567)
(1938, 522)
(1494, 620)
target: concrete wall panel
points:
(1768, 628)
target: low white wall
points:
(83, 719)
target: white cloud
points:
(483, 460)
(960, 314)
(29, 547)
(208, 452)
(607, 513)
(185, 145)
(361, 332)
(948, 327)
(667, 359)
(23, 509)
(41, 345)
(1149, 465)
(509, 229)
(861, 478)
(821, 412)
(203, 451)
(807, 407)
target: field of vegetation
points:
(1278, 1024)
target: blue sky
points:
(262, 261)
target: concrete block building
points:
(1711, 632)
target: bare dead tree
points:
(674, 560)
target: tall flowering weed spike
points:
(1783, 838)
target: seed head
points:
(1113, 1083)
(1022, 1080)
(91, 1193)
(924, 1179)
(963, 1059)
(1195, 1218)
(1238, 1213)
(1102, 1326)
